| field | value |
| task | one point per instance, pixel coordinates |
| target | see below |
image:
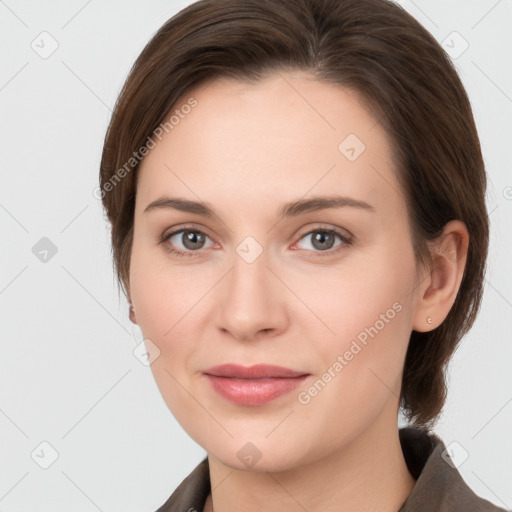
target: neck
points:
(368, 474)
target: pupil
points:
(321, 237)
(192, 240)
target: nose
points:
(253, 300)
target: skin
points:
(247, 150)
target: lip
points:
(257, 371)
(253, 385)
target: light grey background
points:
(68, 375)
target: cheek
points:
(166, 317)
(160, 295)
(171, 304)
(359, 294)
(164, 303)
(365, 312)
(359, 367)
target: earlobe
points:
(132, 315)
(440, 286)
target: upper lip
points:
(258, 371)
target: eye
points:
(323, 240)
(188, 241)
(191, 240)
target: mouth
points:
(258, 371)
(255, 385)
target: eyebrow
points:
(291, 209)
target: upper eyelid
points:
(174, 231)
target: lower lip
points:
(253, 391)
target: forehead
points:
(282, 137)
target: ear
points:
(132, 314)
(439, 285)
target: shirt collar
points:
(439, 485)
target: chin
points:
(257, 456)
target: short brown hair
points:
(372, 46)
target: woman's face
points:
(256, 287)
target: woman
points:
(297, 199)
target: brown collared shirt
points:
(439, 486)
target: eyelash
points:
(347, 241)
